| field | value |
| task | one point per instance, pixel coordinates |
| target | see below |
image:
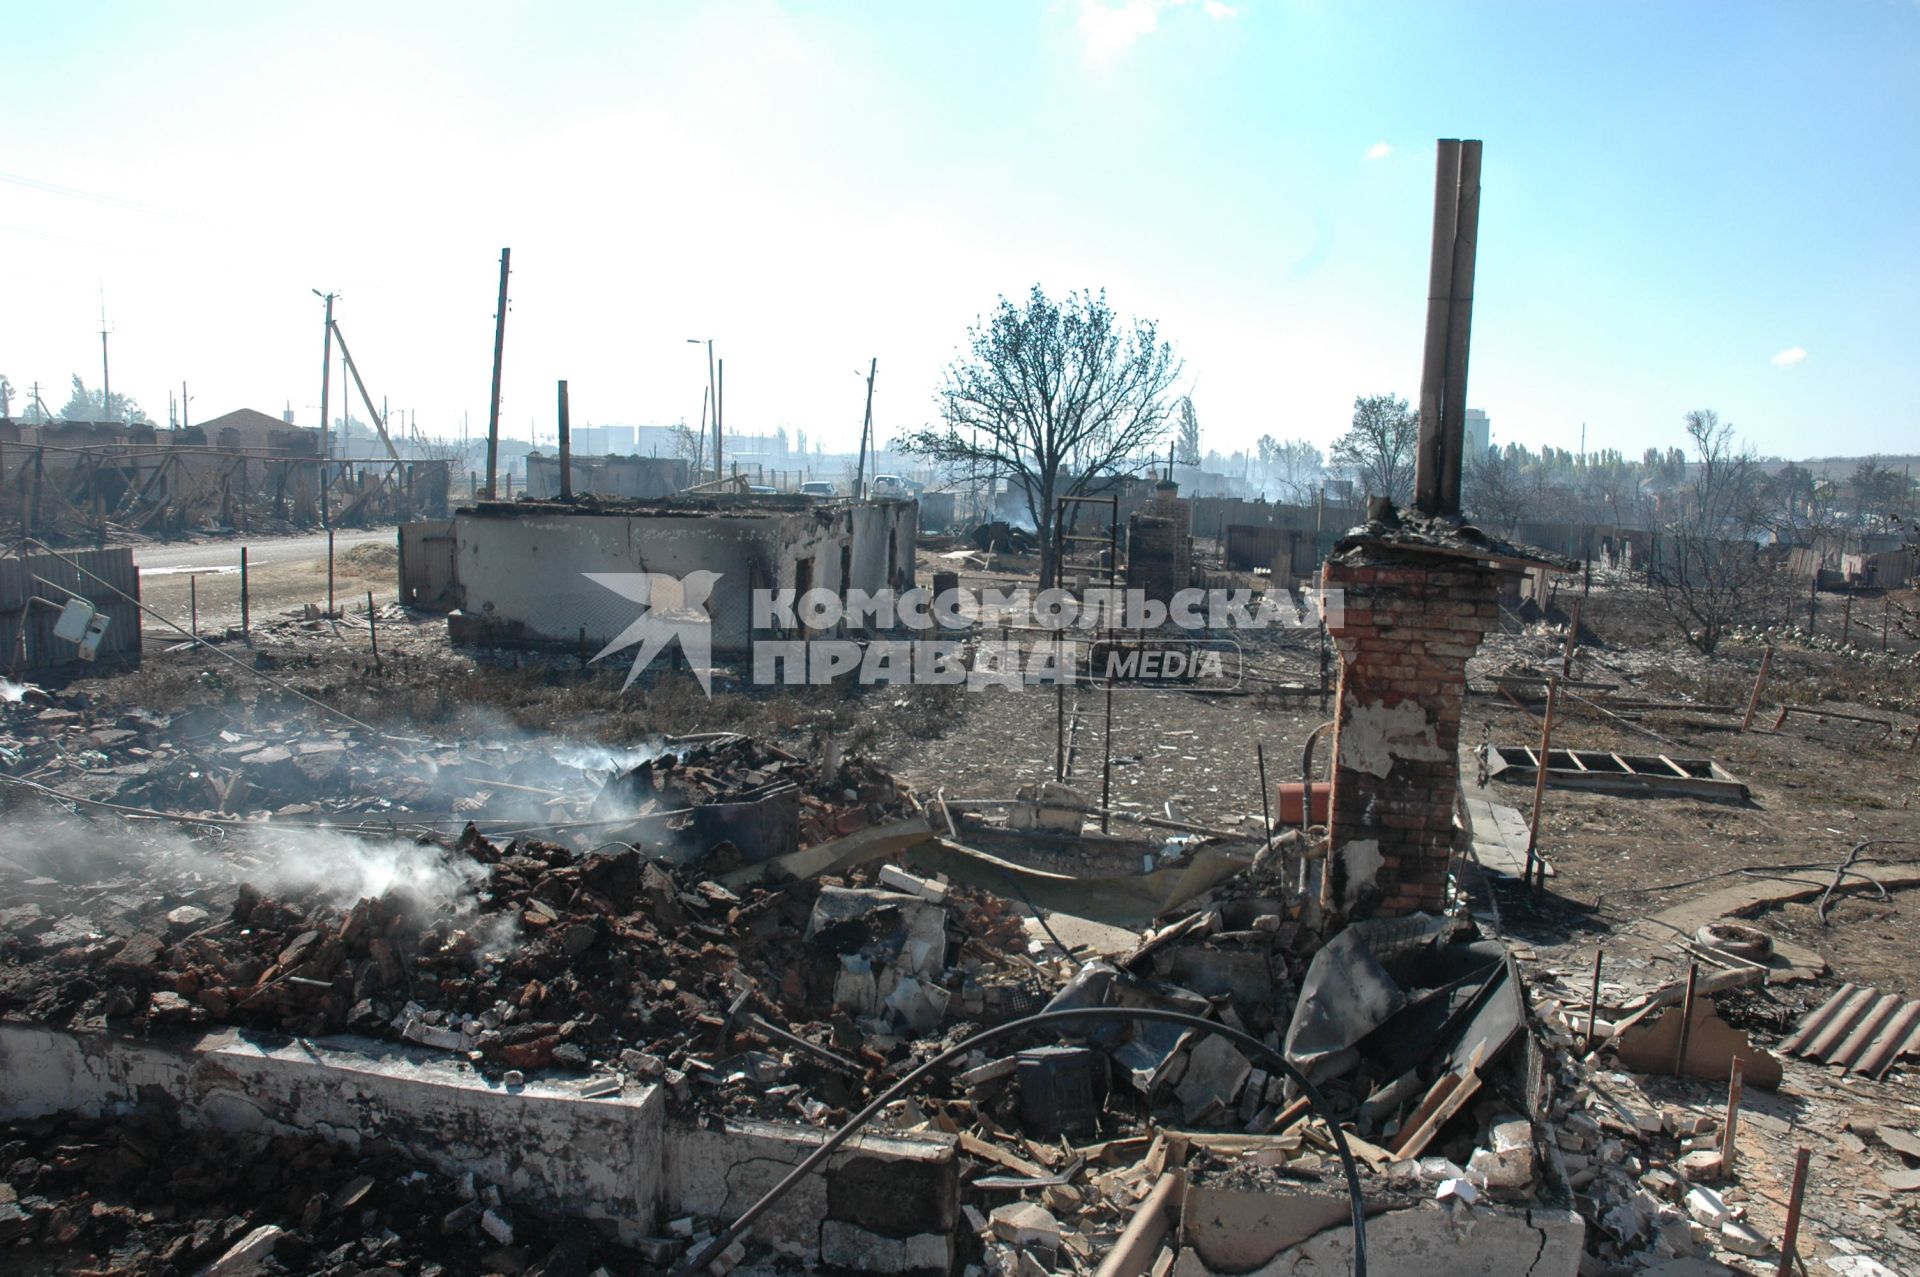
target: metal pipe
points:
(1433, 366)
(694, 1261)
(1266, 804)
(1733, 1118)
(1540, 780)
(1306, 801)
(1686, 1019)
(1790, 1241)
(1593, 1004)
(1453, 416)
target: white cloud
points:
(1379, 151)
(1789, 357)
(1109, 27)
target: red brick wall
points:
(1404, 631)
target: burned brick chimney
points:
(1410, 598)
(1408, 616)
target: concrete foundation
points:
(887, 1203)
(542, 1144)
(884, 1203)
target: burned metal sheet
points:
(1859, 1028)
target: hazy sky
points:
(1686, 204)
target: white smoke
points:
(339, 867)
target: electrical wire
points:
(697, 1260)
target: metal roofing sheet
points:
(1859, 1028)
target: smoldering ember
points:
(412, 864)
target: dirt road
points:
(282, 573)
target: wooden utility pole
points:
(326, 380)
(566, 448)
(866, 428)
(1443, 379)
(353, 370)
(106, 381)
(493, 404)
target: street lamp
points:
(713, 396)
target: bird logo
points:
(675, 608)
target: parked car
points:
(889, 487)
(818, 488)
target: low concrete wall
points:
(542, 1144)
(884, 1203)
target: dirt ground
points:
(287, 573)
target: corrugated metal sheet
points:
(107, 578)
(1859, 1028)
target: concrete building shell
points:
(528, 568)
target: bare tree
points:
(1378, 450)
(1187, 433)
(1055, 396)
(690, 446)
(1707, 566)
(1294, 468)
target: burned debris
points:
(865, 977)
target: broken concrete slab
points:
(1419, 1242)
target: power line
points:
(74, 192)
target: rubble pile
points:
(531, 954)
(710, 919)
(1646, 1165)
(133, 1195)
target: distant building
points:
(1479, 434)
(602, 441)
(258, 432)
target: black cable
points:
(696, 1260)
(1846, 866)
